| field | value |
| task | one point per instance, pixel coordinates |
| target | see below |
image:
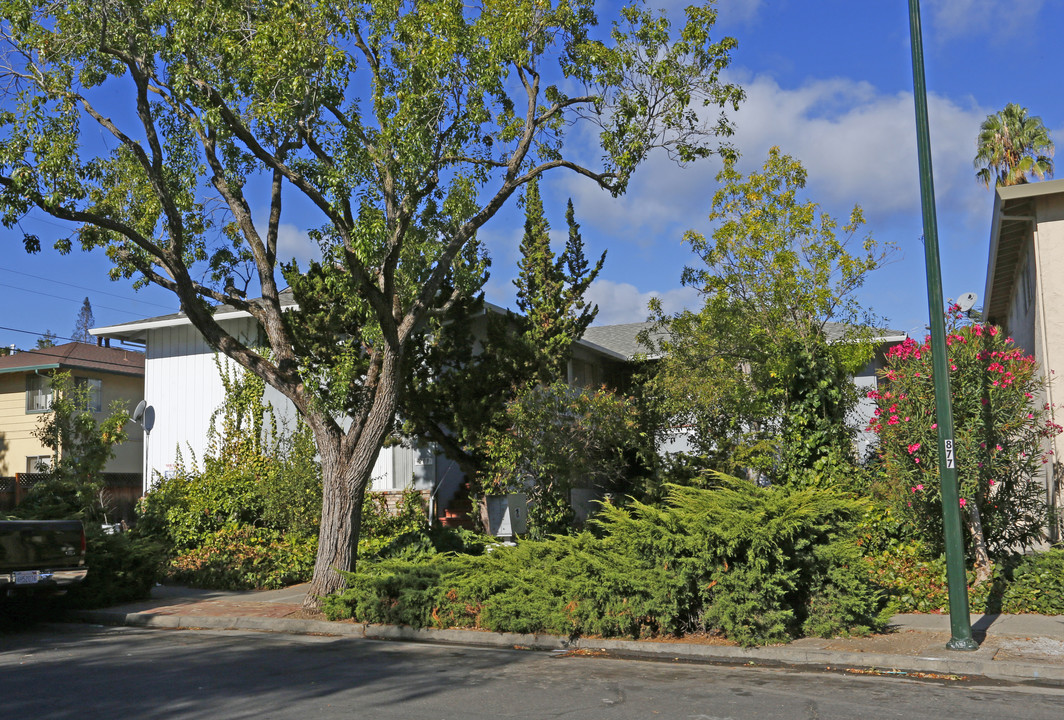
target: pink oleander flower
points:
(920, 487)
(934, 426)
(991, 483)
(963, 502)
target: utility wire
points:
(38, 334)
(92, 290)
(74, 300)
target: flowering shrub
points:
(1000, 432)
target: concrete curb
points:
(977, 663)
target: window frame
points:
(93, 393)
(48, 460)
(38, 386)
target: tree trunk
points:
(346, 466)
(983, 568)
(338, 534)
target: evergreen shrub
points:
(1037, 585)
(755, 565)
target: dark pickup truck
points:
(41, 556)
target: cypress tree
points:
(551, 289)
(85, 322)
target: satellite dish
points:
(149, 418)
(966, 301)
(139, 412)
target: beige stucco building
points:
(109, 374)
(1025, 288)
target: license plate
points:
(27, 577)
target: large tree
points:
(1012, 146)
(173, 133)
(752, 372)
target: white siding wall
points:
(182, 385)
(382, 471)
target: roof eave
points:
(29, 368)
(602, 350)
(995, 239)
(891, 338)
(135, 332)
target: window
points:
(38, 463)
(38, 393)
(93, 389)
(1027, 280)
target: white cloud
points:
(859, 145)
(1000, 20)
(660, 196)
(294, 243)
(738, 11)
(624, 303)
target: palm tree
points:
(1013, 145)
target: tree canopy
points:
(176, 135)
(46, 340)
(754, 368)
(1013, 145)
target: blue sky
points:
(829, 82)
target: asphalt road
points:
(88, 672)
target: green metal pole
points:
(959, 620)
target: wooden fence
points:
(120, 493)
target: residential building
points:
(615, 347)
(1023, 294)
(183, 387)
(109, 374)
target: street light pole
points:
(959, 620)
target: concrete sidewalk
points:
(1020, 648)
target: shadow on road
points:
(175, 674)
